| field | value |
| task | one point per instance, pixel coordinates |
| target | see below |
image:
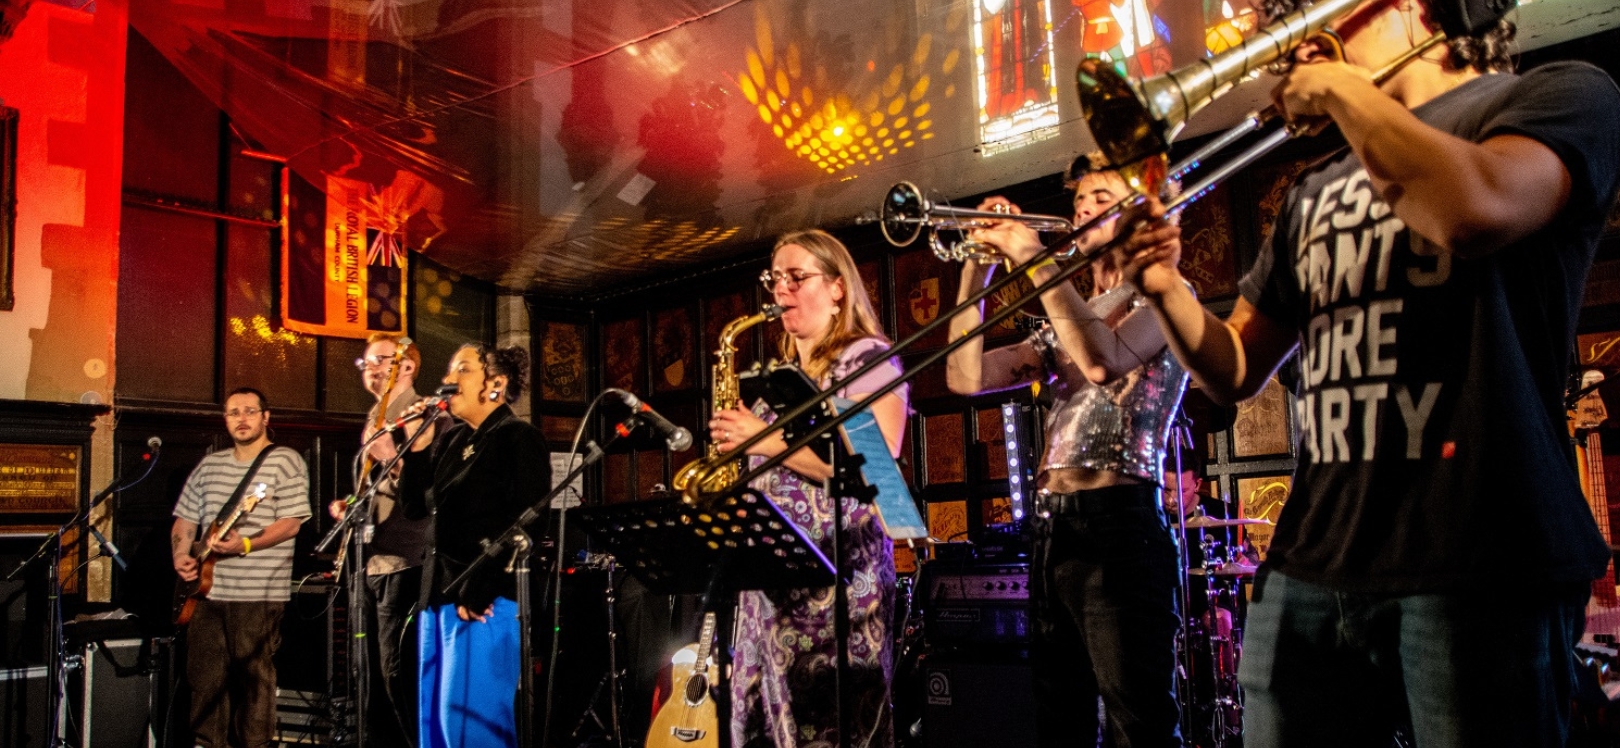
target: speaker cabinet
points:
(114, 696)
(977, 699)
(24, 708)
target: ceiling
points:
(569, 147)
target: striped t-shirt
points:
(261, 575)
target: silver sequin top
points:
(1119, 426)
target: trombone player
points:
(1430, 275)
(1103, 578)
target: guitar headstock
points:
(254, 496)
(1590, 412)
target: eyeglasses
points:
(793, 278)
(375, 361)
(243, 412)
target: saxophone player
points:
(786, 656)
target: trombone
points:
(1133, 123)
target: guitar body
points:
(687, 719)
(186, 594)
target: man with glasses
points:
(236, 628)
(394, 545)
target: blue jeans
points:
(1489, 668)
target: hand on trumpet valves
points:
(1013, 239)
(1150, 257)
(731, 427)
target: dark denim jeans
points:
(229, 651)
(1490, 668)
(392, 712)
(1104, 603)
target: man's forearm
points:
(277, 532)
(180, 536)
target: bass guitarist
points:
(235, 629)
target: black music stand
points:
(741, 542)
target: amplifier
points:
(977, 604)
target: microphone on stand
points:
(440, 401)
(677, 438)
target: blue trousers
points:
(1323, 668)
(469, 678)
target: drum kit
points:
(1211, 641)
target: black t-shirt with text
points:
(1434, 454)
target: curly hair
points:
(511, 362)
(1491, 51)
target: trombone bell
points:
(1134, 122)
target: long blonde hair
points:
(855, 318)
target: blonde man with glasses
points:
(236, 629)
(395, 545)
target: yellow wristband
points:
(1030, 271)
(247, 545)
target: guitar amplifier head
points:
(979, 604)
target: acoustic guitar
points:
(186, 594)
(687, 718)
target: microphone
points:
(107, 547)
(676, 437)
(439, 401)
(154, 444)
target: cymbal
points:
(1201, 522)
(1228, 569)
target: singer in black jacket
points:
(476, 478)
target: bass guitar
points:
(186, 594)
(687, 718)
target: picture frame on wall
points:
(1262, 497)
(623, 357)
(674, 351)
(562, 362)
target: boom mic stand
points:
(50, 551)
(359, 647)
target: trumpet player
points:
(783, 692)
(1103, 574)
(1430, 275)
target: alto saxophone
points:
(712, 473)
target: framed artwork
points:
(8, 205)
(947, 520)
(1262, 497)
(559, 430)
(615, 477)
(993, 444)
(1207, 257)
(562, 362)
(622, 362)
(942, 437)
(649, 472)
(1270, 189)
(674, 351)
(922, 289)
(1263, 426)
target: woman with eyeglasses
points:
(786, 658)
(475, 479)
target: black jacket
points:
(474, 483)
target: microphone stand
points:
(57, 659)
(359, 649)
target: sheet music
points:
(896, 509)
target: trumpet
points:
(906, 213)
